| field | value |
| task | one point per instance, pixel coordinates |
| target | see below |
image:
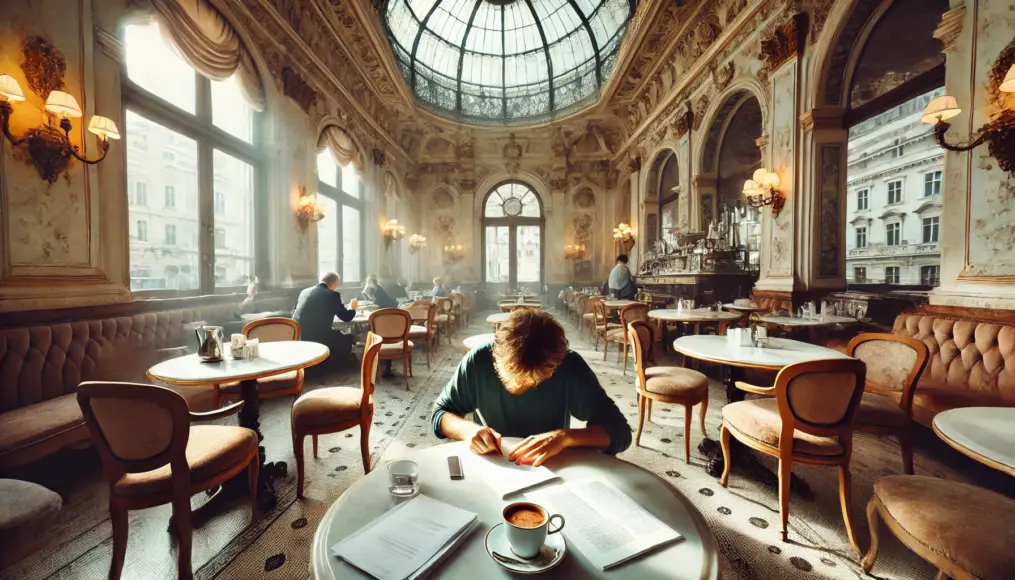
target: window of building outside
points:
(142, 231)
(930, 275)
(340, 234)
(859, 274)
(862, 199)
(894, 192)
(931, 226)
(932, 183)
(861, 237)
(193, 138)
(893, 234)
(891, 275)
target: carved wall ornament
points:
(512, 154)
(723, 75)
(297, 89)
(633, 164)
(950, 28)
(584, 200)
(445, 226)
(700, 107)
(819, 14)
(786, 42)
(441, 199)
(43, 65)
(380, 158)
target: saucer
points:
(496, 541)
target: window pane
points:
(528, 254)
(234, 255)
(156, 66)
(327, 237)
(230, 110)
(155, 263)
(350, 182)
(350, 244)
(327, 169)
(498, 254)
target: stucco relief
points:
(781, 160)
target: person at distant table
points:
(439, 290)
(373, 292)
(397, 289)
(316, 310)
(621, 282)
(528, 383)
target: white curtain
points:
(341, 145)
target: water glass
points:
(402, 478)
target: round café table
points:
(693, 317)
(694, 557)
(615, 304)
(275, 358)
(746, 309)
(509, 306)
(781, 352)
(986, 434)
(498, 318)
(473, 342)
(794, 321)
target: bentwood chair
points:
(628, 314)
(335, 409)
(282, 385)
(809, 420)
(585, 313)
(665, 384)
(457, 305)
(152, 456)
(601, 323)
(393, 325)
(426, 311)
(894, 366)
(468, 307)
(445, 318)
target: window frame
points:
(342, 200)
(898, 233)
(888, 188)
(858, 270)
(935, 182)
(898, 275)
(935, 280)
(935, 228)
(861, 230)
(513, 223)
(866, 199)
(208, 137)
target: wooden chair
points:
(393, 325)
(809, 420)
(444, 318)
(426, 333)
(585, 313)
(628, 314)
(457, 304)
(667, 384)
(335, 409)
(283, 385)
(601, 324)
(468, 307)
(152, 456)
(894, 366)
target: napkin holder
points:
(238, 345)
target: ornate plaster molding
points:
(950, 28)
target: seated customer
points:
(439, 291)
(621, 282)
(373, 292)
(316, 310)
(397, 289)
(529, 384)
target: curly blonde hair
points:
(528, 348)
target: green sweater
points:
(572, 391)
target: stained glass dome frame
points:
(506, 62)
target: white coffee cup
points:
(527, 534)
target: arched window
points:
(194, 172)
(512, 235)
(339, 236)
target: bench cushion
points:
(26, 511)
(29, 433)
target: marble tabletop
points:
(747, 308)
(782, 352)
(498, 318)
(986, 434)
(476, 341)
(618, 303)
(276, 358)
(692, 315)
(794, 321)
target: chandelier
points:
(763, 189)
(416, 243)
(454, 252)
(574, 252)
(623, 236)
(307, 209)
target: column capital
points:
(822, 118)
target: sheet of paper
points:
(501, 474)
(403, 541)
(606, 525)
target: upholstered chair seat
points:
(442, 318)
(416, 331)
(616, 335)
(759, 420)
(426, 311)
(963, 530)
(881, 411)
(678, 384)
(397, 348)
(326, 406)
(283, 382)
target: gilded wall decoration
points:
(830, 232)
(379, 157)
(785, 43)
(819, 14)
(43, 64)
(721, 76)
(444, 225)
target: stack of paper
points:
(408, 541)
(604, 524)
(503, 475)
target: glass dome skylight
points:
(506, 61)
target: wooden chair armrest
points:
(749, 388)
(216, 414)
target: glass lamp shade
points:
(759, 175)
(771, 180)
(103, 127)
(1008, 84)
(63, 104)
(941, 109)
(750, 187)
(10, 88)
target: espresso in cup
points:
(527, 526)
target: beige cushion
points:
(282, 382)
(879, 411)
(616, 335)
(397, 348)
(441, 318)
(417, 331)
(330, 406)
(589, 315)
(28, 433)
(659, 371)
(759, 420)
(968, 526)
(683, 383)
(211, 451)
(26, 510)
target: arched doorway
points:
(512, 237)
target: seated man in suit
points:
(529, 384)
(316, 310)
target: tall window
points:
(895, 191)
(193, 139)
(860, 274)
(861, 237)
(862, 199)
(930, 275)
(340, 234)
(512, 235)
(891, 275)
(893, 233)
(142, 231)
(932, 183)
(931, 226)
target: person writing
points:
(621, 282)
(529, 384)
(316, 310)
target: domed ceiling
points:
(506, 62)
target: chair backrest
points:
(599, 308)
(894, 362)
(820, 397)
(368, 370)
(418, 309)
(136, 427)
(634, 312)
(456, 301)
(642, 337)
(391, 324)
(444, 305)
(272, 329)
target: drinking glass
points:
(402, 478)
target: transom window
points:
(932, 183)
(339, 235)
(862, 199)
(893, 234)
(931, 227)
(895, 191)
(512, 235)
(512, 200)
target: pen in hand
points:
(482, 421)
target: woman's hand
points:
(484, 440)
(536, 449)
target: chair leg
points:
(906, 443)
(405, 372)
(364, 444)
(118, 517)
(648, 410)
(625, 358)
(873, 520)
(184, 537)
(253, 472)
(845, 480)
(315, 445)
(298, 452)
(427, 354)
(641, 419)
(606, 345)
(724, 441)
(687, 433)
(785, 475)
(702, 412)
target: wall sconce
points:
(454, 253)
(50, 149)
(999, 132)
(308, 210)
(763, 189)
(574, 252)
(392, 231)
(624, 237)
(416, 243)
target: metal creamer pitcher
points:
(209, 343)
